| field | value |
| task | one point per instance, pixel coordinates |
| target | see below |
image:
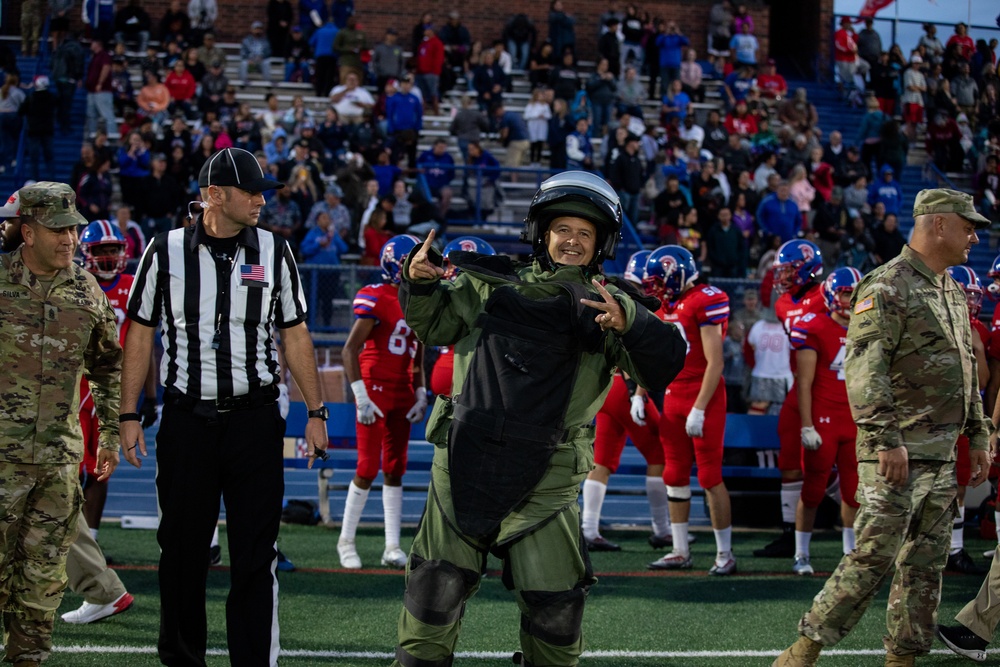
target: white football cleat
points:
(802, 566)
(349, 558)
(88, 613)
(394, 557)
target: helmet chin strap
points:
(549, 264)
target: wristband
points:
(129, 417)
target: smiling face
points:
(48, 251)
(571, 241)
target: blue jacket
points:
(779, 218)
(314, 253)
(890, 194)
(386, 175)
(439, 170)
(136, 167)
(488, 164)
(306, 6)
(514, 122)
(671, 49)
(100, 12)
(321, 41)
(871, 123)
(403, 111)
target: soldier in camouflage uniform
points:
(31, 26)
(57, 325)
(912, 384)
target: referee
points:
(216, 289)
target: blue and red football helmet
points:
(669, 269)
(103, 247)
(994, 275)
(393, 255)
(969, 281)
(796, 263)
(838, 285)
(635, 270)
(464, 244)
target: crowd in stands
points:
(759, 170)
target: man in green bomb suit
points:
(536, 348)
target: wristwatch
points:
(319, 413)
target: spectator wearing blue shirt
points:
(308, 20)
(514, 135)
(404, 114)
(738, 85)
(438, 167)
(323, 245)
(745, 46)
(276, 150)
(886, 190)
(579, 150)
(778, 215)
(387, 173)
(676, 103)
(671, 46)
(321, 43)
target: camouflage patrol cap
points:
(942, 200)
(51, 205)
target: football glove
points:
(638, 410)
(695, 425)
(367, 411)
(811, 438)
(416, 413)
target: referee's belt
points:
(256, 398)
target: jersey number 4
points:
(838, 363)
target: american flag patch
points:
(252, 275)
(862, 306)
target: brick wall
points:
(484, 19)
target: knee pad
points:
(555, 617)
(679, 494)
(436, 591)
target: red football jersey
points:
(444, 368)
(821, 333)
(698, 307)
(790, 310)
(996, 319)
(991, 340)
(390, 348)
(117, 292)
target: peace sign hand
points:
(421, 267)
(612, 315)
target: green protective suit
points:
(538, 537)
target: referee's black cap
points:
(238, 168)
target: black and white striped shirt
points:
(217, 311)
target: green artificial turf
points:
(630, 609)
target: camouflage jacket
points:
(910, 369)
(47, 343)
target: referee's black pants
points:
(238, 456)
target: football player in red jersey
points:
(798, 266)
(828, 432)
(444, 366)
(103, 247)
(958, 558)
(384, 364)
(692, 426)
(993, 348)
(626, 412)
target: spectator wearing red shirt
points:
(375, 237)
(966, 47)
(820, 173)
(100, 100)
(772, 85)
(181, 84)
(845, 43)
(740, 121)
(430, 60)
